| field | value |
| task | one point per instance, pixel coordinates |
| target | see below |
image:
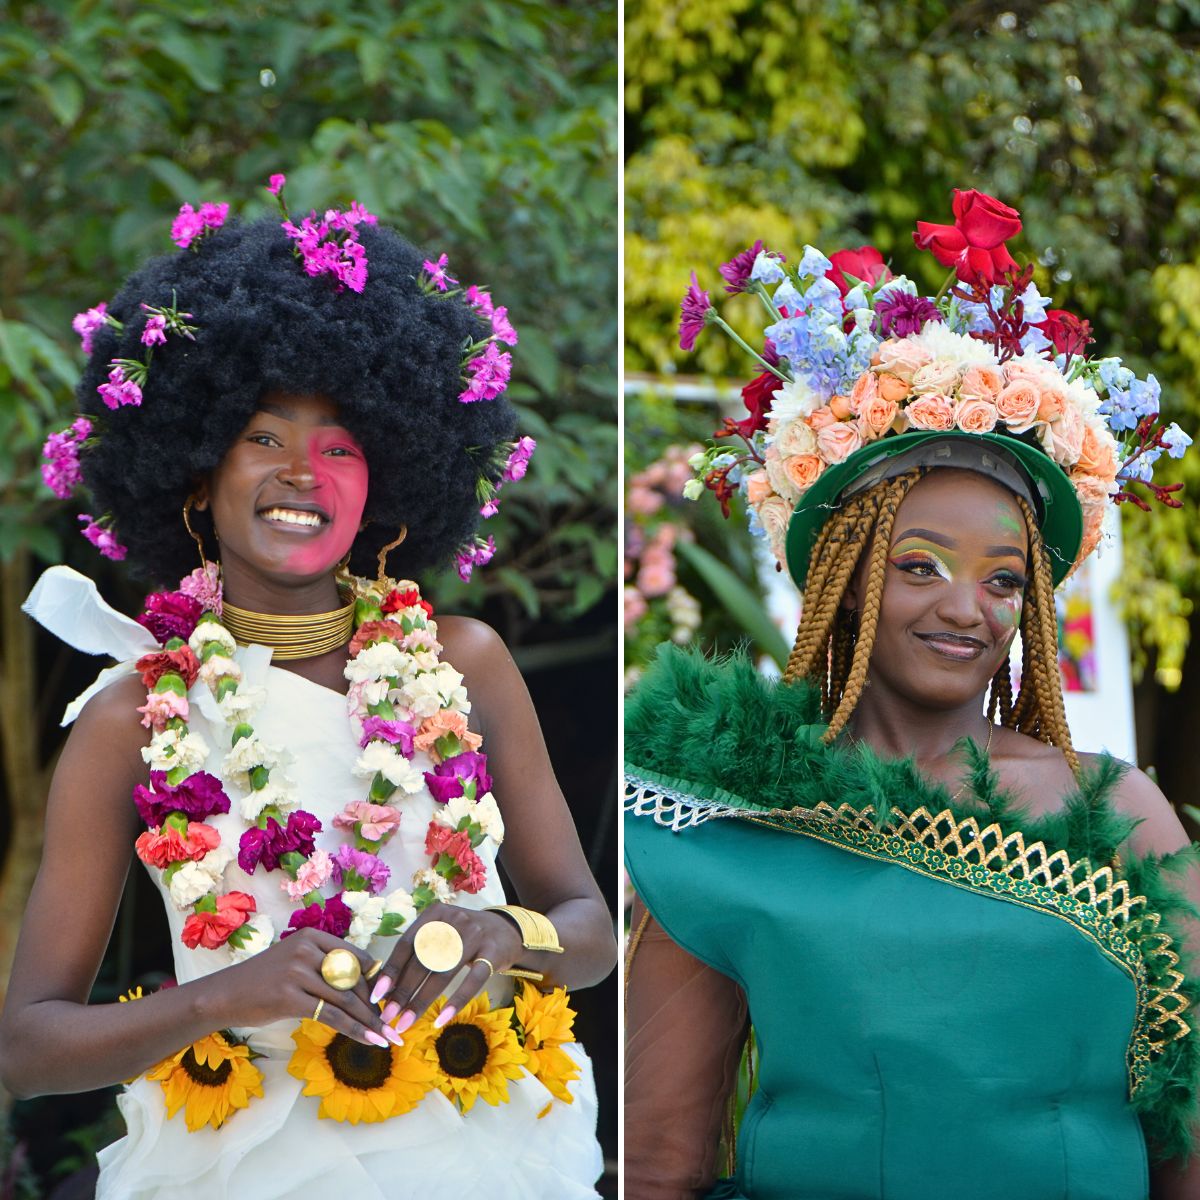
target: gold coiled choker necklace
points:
(291, 637)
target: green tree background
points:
(485, 129)
(843, 122)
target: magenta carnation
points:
(86, 323)
(476, 555)
(502, 329)
(102, 538)
(438, 274)
(331, 915)
(901, 315)
(275, 186)
(61, 472)
(447, 779)
(197, 797)
(266, 845)
(518, 460)
(489, 372)
(118, 390)
(171, 614)
(395, 733)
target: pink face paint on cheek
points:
(340, 488)
(1002, 615)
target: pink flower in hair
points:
(479, 300)
(438, 275)
(118, 390)
(61, 472)
(155, 333)
(502, 328)
(86, 323)
(490, 372)
(518, 460)
(103, 539)
(275, 186)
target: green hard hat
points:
(1018, 465)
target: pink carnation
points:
(518, 460)
(155, 333)
(314, 872)
(61, 472)
(502, 330)
(489, 375)
(204, 585)
(476, 555)
(102, 538)
(374, 822)
(118, 390)
(161, 707)
(438, 274)
(275, 186)
(86, 323)
(479, 300)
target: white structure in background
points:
(1098, 688)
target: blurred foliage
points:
(486, 129)
(843, 122)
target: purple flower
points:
(901, 315)
(102, 538)
(197, 797)
(694, 310)
(475, 555)
(61, 473)
(395, 733)
(155, 333)
(479, 300)
(448, 778)
(736, 272)
(331, 915)
(518, 460)
(119, 390)
(349, 862)
(275, 186)
(438, 274)
(86, 323)
(502, 330)
(490, 372)
(170, 614)
(267, 845)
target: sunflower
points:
(209, 1079)
(544, 1024)
(475, 1055)
(134, 993)
(357, 1082)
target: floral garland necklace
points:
(402, 699)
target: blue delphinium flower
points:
(814, 264)
(766, 268)
(1175, 440)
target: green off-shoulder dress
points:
(945, 1004)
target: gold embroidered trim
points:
(987, 860)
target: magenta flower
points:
(476, 555)
(62, 472)
(102, 538)
(268, 844)
(331, 915)
(321, 252)
(171, 614)
(86, 323)
(518, 460)
(155, 333)
(480, 301)
(694, 314)
(438, 275)
(736, 272)
(191, 224)
(502, 330)
(491, 508)
(395, 733)
(197, 797)
(447, 779)
(490, 373)
(204, 586)
(119, 390)
(901, 315)
(359, 870)
(275, 186)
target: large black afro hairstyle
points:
(390, 358)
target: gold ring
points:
(490, 967)
(374, 969)
(438, 946)
(317, 1011)
(341, 969)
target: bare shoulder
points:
(1159, 828)
(473, 646)
(108, 732)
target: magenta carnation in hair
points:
(86, 323)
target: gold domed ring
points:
(438, 946)
(341, 969)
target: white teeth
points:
(291, 516)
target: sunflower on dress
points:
(474, 1055)
(357, 1082)
(544, 1024)
(209, 1079)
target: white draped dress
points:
(277, 1147)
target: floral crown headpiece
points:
(853, 353)
(325, 245)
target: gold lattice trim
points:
(1096, 901)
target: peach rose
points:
(821, 418)
(1043, 374)
(866, 388)
(903, 358)
(841, 407)
(803, 470)
(795, 437)
(1093, 498)
(931, 411)
(876, 418)
(1018, 404)
(775, 514)
(938, 376)
(758, 487)
(1052, 403)
(781, 483)
(837, 442)
(1063, 438)
(1096, 457)
(980, 383)
(975, 416)
(892, 387)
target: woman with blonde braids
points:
(887, 916)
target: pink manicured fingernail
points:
(390, 1009)
(374, 1038)
(383, 985)
(406, 1019)
(392, 1036)
(445, 1015)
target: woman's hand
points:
(284, 982)
(409, 988)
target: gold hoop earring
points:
(382, 559)
(187, 508)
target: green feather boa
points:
(721, 731)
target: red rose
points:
(974, 244)
(166, 662)
(865, 264)
(1069, 333)
(396, 600)
(212, 929)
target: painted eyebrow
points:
(289, 414)
(1005, 552)
(942, 539)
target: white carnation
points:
(434, 690)
(195, 879)
(792, 400)
(383, 660)
(217, 668)
(431, 879)
(261, 935)
(487, 815)
(168, 750)
(368, 912)
(401, 903)
(957, 348)
(380, 758)
(241, 705)
(211, 631)
(248, 753)
(279, 791)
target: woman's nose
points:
(959, 604)
(297, 470)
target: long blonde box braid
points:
(834, 654)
